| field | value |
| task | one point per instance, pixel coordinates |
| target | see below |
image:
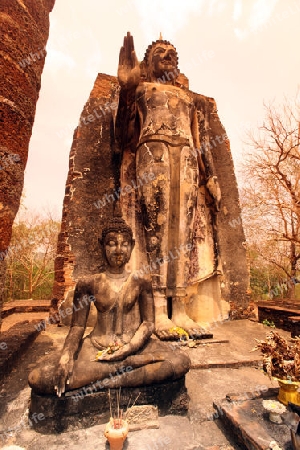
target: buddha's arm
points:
(146, 328)
(81, 308)
(205, 157)
(144, 331)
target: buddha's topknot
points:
(116, 225)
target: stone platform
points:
(244, 416)
(278, 312)
(25, 306)
(83, 408)
(15, 341)
(224, 364)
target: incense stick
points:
(110, 409)
(119, 403)
(135, 400)
(125, 415)
(128, 404)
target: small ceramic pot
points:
(288, 392)
(116, 432)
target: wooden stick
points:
(110, 409)
(135, 400)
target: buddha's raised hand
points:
(129, 69)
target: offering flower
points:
(112, 348)
(180, 331)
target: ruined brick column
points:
(24, 30)
(90, 189)
(231, 237)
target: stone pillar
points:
(24, 30)
(231, 237)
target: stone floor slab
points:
(249, 422)
(200, 430)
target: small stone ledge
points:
(279, 314)
(244, 416)
(81, 409)
(15, 342)
(234, 364)
(140, 417)
(25, 306)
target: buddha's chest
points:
(111, 297)
(156, 97)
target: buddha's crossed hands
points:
(129, 69)
(118, 355)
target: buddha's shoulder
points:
(144, 281)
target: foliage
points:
(280, 359)
(270, 198)
(268, 323)
(262, 276)
(30, 257)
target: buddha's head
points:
(160, 59)
(117, 242)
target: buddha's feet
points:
(192, 328)
(165, 329)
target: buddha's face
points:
(163, 59)
(118, 247)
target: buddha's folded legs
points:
(154, 364)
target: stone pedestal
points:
(82, 408)
(245, 417)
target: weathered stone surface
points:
(15, 342)
(195, 431)
(91, 180)
(231, 237)
(2, 284)
(24, 28)
(142, 416)
(81, 408)
(249, 422)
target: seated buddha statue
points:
(121, 342)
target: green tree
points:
(30, 257)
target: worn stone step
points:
(15, 341)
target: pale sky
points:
(240, 52)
